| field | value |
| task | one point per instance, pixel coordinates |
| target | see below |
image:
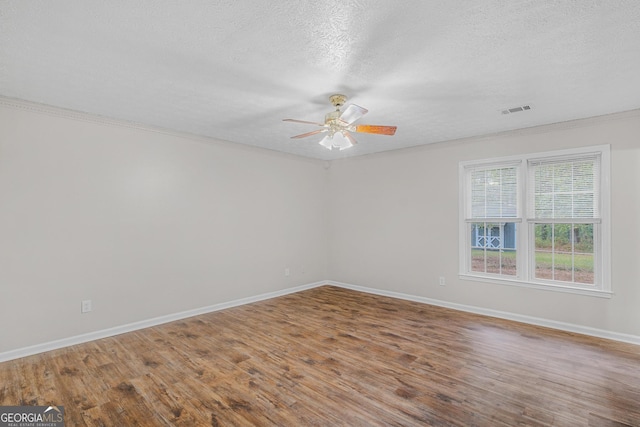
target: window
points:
(538, 220)
(493, 215)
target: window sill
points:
(556, 288)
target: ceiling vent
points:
(516, 109)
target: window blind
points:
(565, 189)
(494, 193)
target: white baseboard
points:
(569, 327)
(130, 327)
(105, 333)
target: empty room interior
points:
(218, 213)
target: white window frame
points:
(525, 258)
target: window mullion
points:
(522, 235)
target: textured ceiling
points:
(233, 69)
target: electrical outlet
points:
(86, 306)
(287, 272)
(442, 281)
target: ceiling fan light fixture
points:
(326, 142)
(337, 140)
(341, 142)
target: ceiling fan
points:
(339, 125)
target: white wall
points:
(143, 223)
(393, 223)
(147, 224)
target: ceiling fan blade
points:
(314, 132)
(352, 113)
(303, 121)
(380, 130)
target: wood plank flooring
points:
(329, 357)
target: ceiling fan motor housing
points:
(335, 124)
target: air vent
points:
(516, 109)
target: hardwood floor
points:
(331, 356)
